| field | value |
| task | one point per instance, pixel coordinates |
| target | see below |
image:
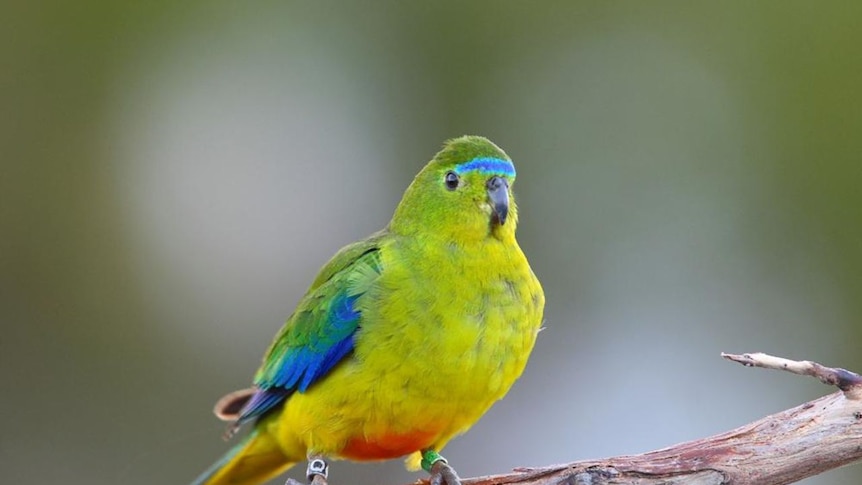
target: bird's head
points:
(464, 194)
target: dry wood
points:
(782, 448)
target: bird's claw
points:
(316, 480)
(443, 474)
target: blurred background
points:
(174, 173)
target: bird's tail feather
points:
(254, 460)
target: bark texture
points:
(781, 448)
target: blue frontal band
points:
(487, 165)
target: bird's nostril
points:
(496, 183)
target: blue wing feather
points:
(315, 339)
(305, 365)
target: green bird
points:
(404, 339)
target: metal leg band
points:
(316, 466)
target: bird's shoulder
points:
(350, 258)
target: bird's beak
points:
(498, 193)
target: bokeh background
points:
(174, 173)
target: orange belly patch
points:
(387, 446)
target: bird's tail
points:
(254, 460)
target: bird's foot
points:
(316, 472)
(438, 467)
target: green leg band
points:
(429, 458)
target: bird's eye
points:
(452, 180)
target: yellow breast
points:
(441, 340)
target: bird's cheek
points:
(485, 207)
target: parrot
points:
(403, 340)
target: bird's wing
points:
(320, 332)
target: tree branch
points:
(782, 448)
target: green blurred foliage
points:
(174, 172)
